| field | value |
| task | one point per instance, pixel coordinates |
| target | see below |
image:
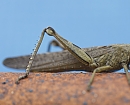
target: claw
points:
(89, 88)
(125, 66)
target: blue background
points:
(86, 23)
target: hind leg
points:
(55, 43)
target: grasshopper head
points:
(50, 31)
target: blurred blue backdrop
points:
(86, 23)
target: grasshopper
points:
(93, 59)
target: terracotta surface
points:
(64, 89)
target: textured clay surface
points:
(64, 89)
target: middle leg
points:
(97, 70)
